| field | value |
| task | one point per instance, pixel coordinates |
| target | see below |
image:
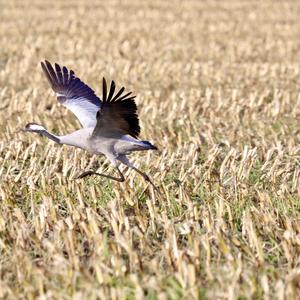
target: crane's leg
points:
(89, 173)
(126, 162)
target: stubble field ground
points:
(217, 85)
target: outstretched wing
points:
(73, 93)
(118, 113)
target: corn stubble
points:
(218, 93)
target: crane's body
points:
(110, 125)
(112, 147)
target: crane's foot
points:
(147, 178)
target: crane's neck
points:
(32, 127)
(51, 136)
(77, 138)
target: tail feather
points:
(152, 147)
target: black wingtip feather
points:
(124, 97)
(119, 93)
(51, 72)
(65, 75)
(104, 90)
(124, 104)
(111, 91)
(46, 72)
(59, 74)
(65, 82)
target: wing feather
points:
(120, 92)
(118, 114)
(112, 90)
(51, 72)
(59, 74)
(73, 93)
(123, 97)
(66, 76)
(104, 88)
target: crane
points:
(110, 125)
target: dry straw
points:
(218, 92)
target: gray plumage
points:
(110, 125)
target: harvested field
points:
(218, 91)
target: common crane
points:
(110, 126)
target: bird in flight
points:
(110, 125)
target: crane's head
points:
(33, 127)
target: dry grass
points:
(218, 93)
